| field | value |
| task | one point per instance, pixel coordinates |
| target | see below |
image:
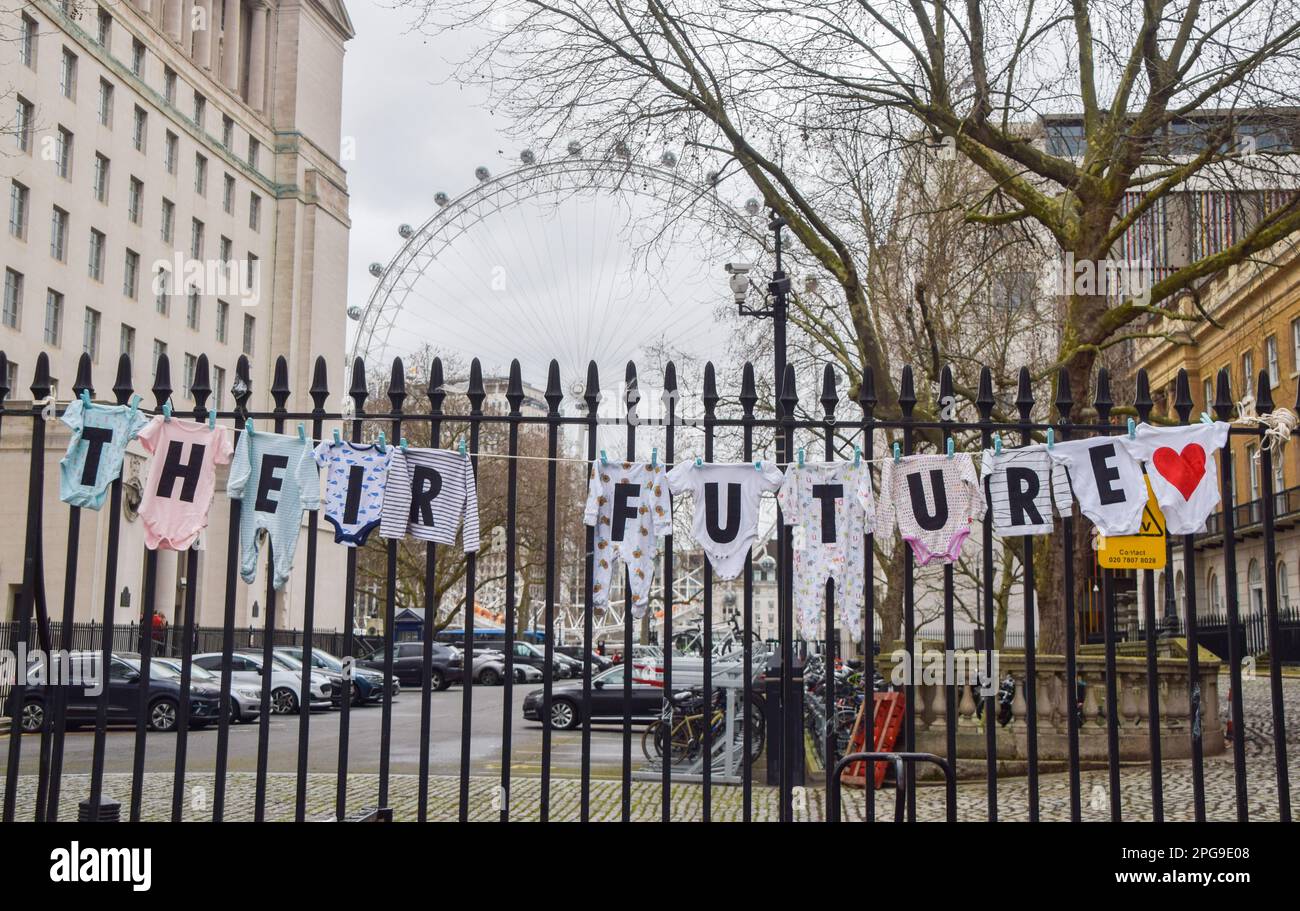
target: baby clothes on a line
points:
(831, 506)
(355, 475)
(276, 478)
(725, 532)
(629, 505)
(1022, 486)
(1182, 468)
(934, 499)
(1106, 481)
(181, 480)
(427, 494)
(94, 457)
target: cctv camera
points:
(738, 268)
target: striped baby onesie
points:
(427, 493)
(1022, 485)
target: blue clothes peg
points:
(1051, 438)
(605, 461)
(758, 466)
(302, 433)
(997, 443)
(337, 438)
(1132, 429)
(699, 463)
(167, 410)
(1205, 418)
(897, 453)
(801, 457)
(212, 419)
(85, 398)
(461, 446)
(950, 447)
(403, 444)
(248, 426)
(654, 458)
(135, 403)
(383, 442)
(857, 456)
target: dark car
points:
(606, 701)
(535, 656)
(598, 662)
(367, 685)
(162, 710)
(408, 664)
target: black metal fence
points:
(794, 426)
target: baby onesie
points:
(629, 506)
(1182, 469)
(353, 493)
(181, 480)
(94, 457)
(934, 499)
(1106, 481)
(725, 533)
(276, 478)
(1022, 486)
(832, 508)
(427, 493)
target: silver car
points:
(245, 698)
(490, 669)
(286, 686)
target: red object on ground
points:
(886, 725)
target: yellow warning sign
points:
(1144, 550)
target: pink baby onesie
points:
(181, 480)
(935, 498)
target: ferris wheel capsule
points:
(354, 313)
(527, 157)
(405, 231)
(441, 199)
(668, 159)
(574, 148)
(753, 206)
(482, 174)
(376, 269)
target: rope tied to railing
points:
(1278, 424)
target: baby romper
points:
(629, 506)
(353, 492)
(832, 508)
(725, 533)
(1182, 469)
(94, 457)
(182, 478)
(427, 493)
(1022, 486)
(1107, 482)
(935, 521)
(276, 478)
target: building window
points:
(18, 196)
(131, 275)
(101, 177)
(90, 335)
(228, 195)
(218, 388)
(196, 239)
(224, 250)
(13, 304)
(159, 349)
(53, 317)
(126, 341)
(249, 325)
(168, 219)
(169, 84)
(254, 211)
(162, 300)
(1252, 462)
(59, 234)
(96, 266)
(137, 57)
(170, 154)
(105, 32)
(200, 174)
(250, 280)
(1274, 369)
(227, 131)
(254, 152)
(139, 129)
(27, 42)
(191, 366)
(105, 103)
(23, 125)
(192, 308)
(135, 201)
(1283, 588)
(1279, 480)
(1248, 373)
(200, 108)
(68, 75)
(223, 320)
(63, 153)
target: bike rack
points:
(900, 761)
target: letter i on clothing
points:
(94, 457)
(353, 494)
(934, 499)
(276, 478)
(181, 481)
(629, 505)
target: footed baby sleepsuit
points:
(1022, 485)
(94, 457)
(725, 532)
(629, 506)
(427, 493)
(276, 478)
(182, 479)
(831, 507)
(1181, 466)
(354, 476)
(1107, 482)
(934, 499)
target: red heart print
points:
(1183, 469)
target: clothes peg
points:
(654, 458)
(167, 410)
(135, 403)
(699, 463)
(758, 466)
(857, 456)
(302, 433)
(1051, 438)
(461, 446)
(605, 461)
(1205, 418)
(1132, 429)
(212, 419)
(383, 442)
(85, 398)
(248, 426)
(402, 443)
(337, 438)
(950, 447)
(801, 457)
(898, 450)
(997, 443)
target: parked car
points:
(490, 669)
(245, 698)
(334, 683)
(286, 686)
(408, 664)
(535, 656)
(162, 711)
(598, 662)
(367, 684)
(606, 701)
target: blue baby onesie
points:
(354, 476)
(276, 478)
(94, 457)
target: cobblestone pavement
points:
(484, 801)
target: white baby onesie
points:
(726, 508)
(1106, 481)
(629, 506)
(832, 508)
(1183, 471)
(935, 521)
(1022, 486)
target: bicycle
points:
(682, 735)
